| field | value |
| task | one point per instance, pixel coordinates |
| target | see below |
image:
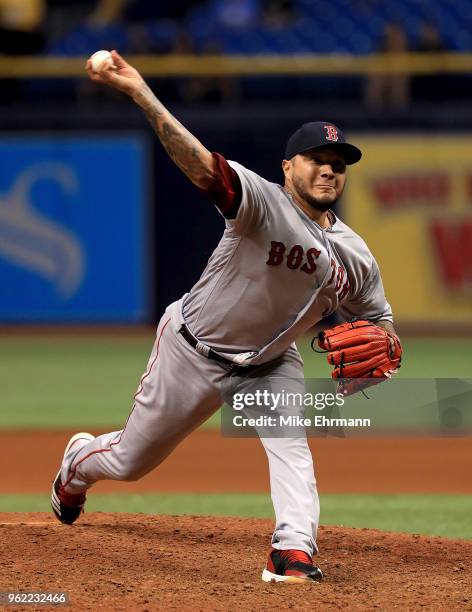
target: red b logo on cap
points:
(331, 132)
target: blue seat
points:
(327, 26)
(85, 39)
(163, 34)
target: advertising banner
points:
(410, 198)
(73, 229)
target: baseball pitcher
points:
(284, 262)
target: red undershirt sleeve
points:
(225, 192)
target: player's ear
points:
(286, 165)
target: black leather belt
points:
(202, 349)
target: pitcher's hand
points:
(118, 74)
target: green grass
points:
(444, 515)
(72, 382)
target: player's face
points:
(317, 176)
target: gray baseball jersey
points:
(276, 273)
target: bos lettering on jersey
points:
(296, 258)
(339, 279)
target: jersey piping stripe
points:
(107, 450)
(144, 376)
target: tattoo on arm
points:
(183, 148)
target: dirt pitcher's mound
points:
(140, 562)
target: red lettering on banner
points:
(453, 245)
(411, 190)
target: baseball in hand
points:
(98, 58)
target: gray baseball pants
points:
(178, 392)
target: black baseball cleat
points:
(66, 506)
(291, 566)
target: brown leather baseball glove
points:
(363, 354)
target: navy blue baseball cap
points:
(318, 134)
